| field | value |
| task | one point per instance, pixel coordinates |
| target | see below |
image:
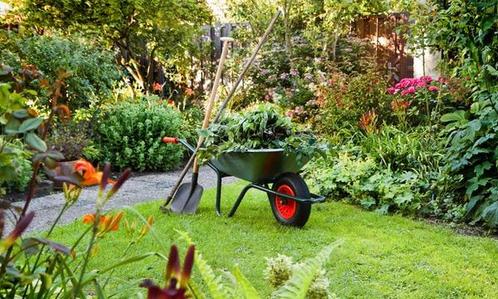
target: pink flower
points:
(427, 79)
(392, 90)
(409, 90)
(433, 88)
(421, 83)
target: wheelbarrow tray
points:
(258, 166)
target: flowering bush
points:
(352, 102)
(417, 100)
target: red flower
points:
(176, 277)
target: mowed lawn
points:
(382, 256)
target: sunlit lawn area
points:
(382, 256)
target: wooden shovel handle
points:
(212, 97)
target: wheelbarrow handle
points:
(173, 140)
(176, 140)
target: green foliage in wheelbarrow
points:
(259, 127)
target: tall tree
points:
(143, 32)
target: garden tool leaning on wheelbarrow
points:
(188, 196)
(175, 190)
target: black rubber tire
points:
(303, 210)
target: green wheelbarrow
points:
(289, 196)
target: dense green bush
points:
(473, 152)
(353, 175)
(93, 71)
(129, 135)
(465, 32)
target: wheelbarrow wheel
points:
(288, 211)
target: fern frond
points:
(246, 289)
(213, 282)
(298, 285)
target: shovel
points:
(188, 196)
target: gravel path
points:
(136, 190)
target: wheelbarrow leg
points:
(218, 193)
(239, 199)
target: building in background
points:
(4, 8)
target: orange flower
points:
(146, 228)
(112, 223)
(368, 121)
(89, 218)
(189, 91)
(157, 86)
(400, 106)
(91, 176)
(106, 223)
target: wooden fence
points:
(390, 46)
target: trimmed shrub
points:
(129, 135)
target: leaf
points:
(12, 126)
(131, 260)
(471, 206)
(491, 70)
(298, 285)
(36, 142)
(99, 291)
(247, 288)
(457, 116)
(214, 283)
(71, 179)
(21, 113)
(490, 215)
(54, 155)
(55, 246)
(30, 124)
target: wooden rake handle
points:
(213, 95)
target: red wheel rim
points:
(286, 207)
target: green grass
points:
(382, 256)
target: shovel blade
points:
(187, 198)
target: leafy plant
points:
(472, 153)
(129, 135)
(235, 285)
(49, 269)
(19, 167)
(364, 179)
(92, 72)
(465, 33)
(16, 123)
(403, 150)
(348, 97)
(261, 127)
(280, 269)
